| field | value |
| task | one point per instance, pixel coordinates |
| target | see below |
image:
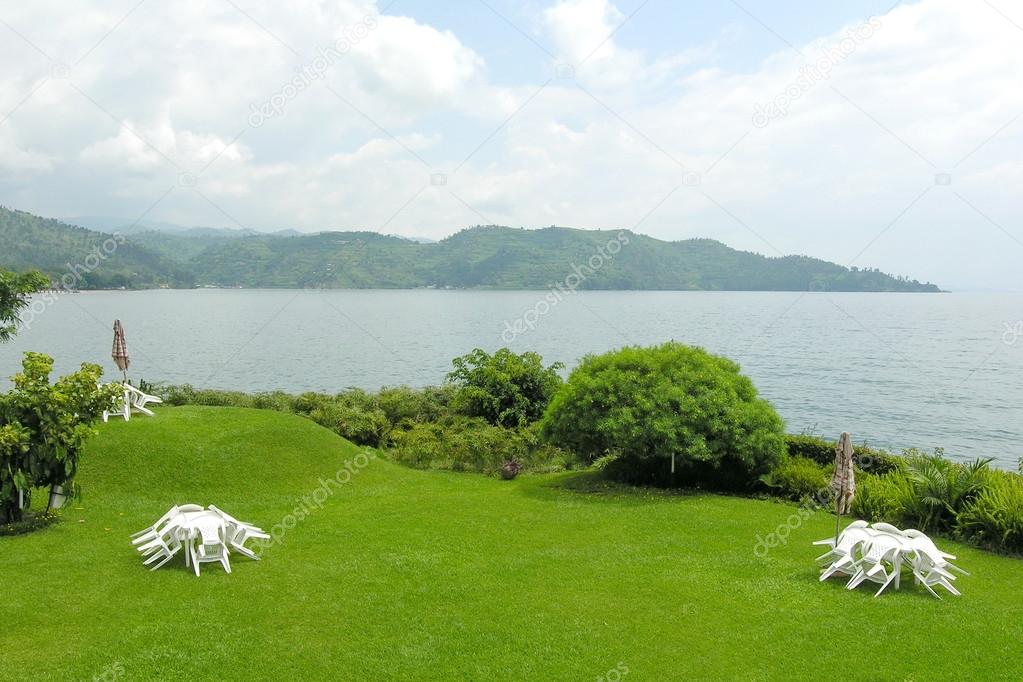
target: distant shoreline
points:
(508, 289)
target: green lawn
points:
(409, 575)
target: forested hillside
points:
(479, 257)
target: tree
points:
(14, 292)
(506, 389)
(651, 407)
(43, 428)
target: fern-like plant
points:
(941, 488)
(994, 518)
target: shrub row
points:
(966, 500)
(822, 452)
(421, 428)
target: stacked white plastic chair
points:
(930, 565)
(877, 552)
(207, 535)
(238, 532)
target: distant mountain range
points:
(148, 255)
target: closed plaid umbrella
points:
(843, 482)
(120, 352)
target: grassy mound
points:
(411, 575)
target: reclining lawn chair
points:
(133, 399)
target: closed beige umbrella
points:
(843, 482)
(120, 351)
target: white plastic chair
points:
(830, 542)
(132, 399)
(138, 400)
(172, 512)
(209, 530)
(887, 528)
(881, 548)
(843, 555)
(163, 546)
(930, 565)
(151, 532)
(238, 532)
(124, 410)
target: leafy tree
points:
(14, 292)
(646, 407)
(43, 427)
(506, 389)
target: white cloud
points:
(919, 97)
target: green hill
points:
(479, 257)
(398, 574)
(81, 258)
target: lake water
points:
(896, 370)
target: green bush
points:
(799, 478)
(928, 493)
(305, 403)
(361, 425)
(15, 290)
(406, 406)
(276, 400)
(506, 389)
(653, 404)
(472, 444)
(823, 452)
(941, 488)
(420, 447)
(186, 394)
(994, 518)
(882, 498)
(43, 427)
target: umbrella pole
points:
(838, 516)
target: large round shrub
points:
(645, 405)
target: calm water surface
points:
(896, 370)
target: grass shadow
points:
(592, 486)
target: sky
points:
(874, 134)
